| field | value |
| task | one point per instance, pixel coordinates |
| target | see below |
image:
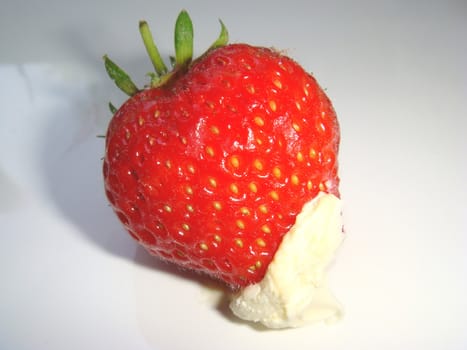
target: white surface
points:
(72, 279)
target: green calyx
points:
(183, 39)
(183, 55)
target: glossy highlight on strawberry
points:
(209, 166)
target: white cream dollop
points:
(294, 290)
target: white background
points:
(396, 72)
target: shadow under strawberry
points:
(72, 165)
(71, 169)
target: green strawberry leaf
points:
(151, 48)
(112, 108)
(223, 38)
(121, 79)
(183, 39)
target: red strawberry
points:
(209, 166)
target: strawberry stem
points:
(121, 79)
(151, 48)
(183, 39)
(183, 56)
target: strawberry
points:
(209, 165)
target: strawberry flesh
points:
(210, 170)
